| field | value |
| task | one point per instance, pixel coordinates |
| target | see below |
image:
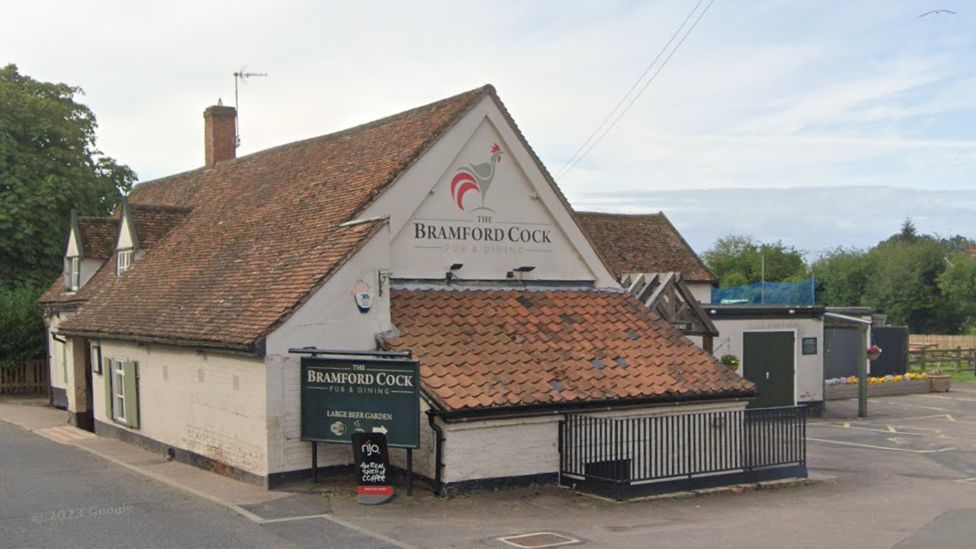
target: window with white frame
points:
(122, 391)
(72, 273)
(118, 390)
(96, 358)
(125, 261)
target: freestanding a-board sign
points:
(346, 393)
(372, 468)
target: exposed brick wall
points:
(219, 134)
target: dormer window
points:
(124, 262)
(72, 273)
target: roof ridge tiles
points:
(475, 92)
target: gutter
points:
(847, 319)
(255, 349)
(511, 412)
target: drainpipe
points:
(438, 450)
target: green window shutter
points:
(107, 374)
(131, 394)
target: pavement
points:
(904, 477)
(67, 487)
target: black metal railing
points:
(623, 456)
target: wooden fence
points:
(27, 378)
(942, 341)
(956, 360)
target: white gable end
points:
(479, 199)
(74, 248)
(125, 235)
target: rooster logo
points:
(476, 177)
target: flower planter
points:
(939, 383)
(849, 390)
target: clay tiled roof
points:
(527, 348)
(153, 222)
(175, 190)
(98, 240)
(98, 236)
(265, 231)
(643, 243)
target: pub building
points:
(436, 231)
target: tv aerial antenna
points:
(240, 77)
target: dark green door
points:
(767, 361)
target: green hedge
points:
(21, 327)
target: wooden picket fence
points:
(30, 377)
(955, 360)
(942, 342)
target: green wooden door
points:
(767, 361)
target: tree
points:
(843, 275)
(738, 259)
(904, 285)
(49, 164)
(958, 283)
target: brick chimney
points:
(219, 133)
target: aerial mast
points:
(241, 77)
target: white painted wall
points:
(808, 368)
(701, 290)
(125, 235)
(73, 247)
(57, 352)
(208, 403)
(88, 269)
(501, 448)
(424, 458)
(328, 320)
(526, 446)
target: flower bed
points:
(908, 384)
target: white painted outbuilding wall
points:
(808, 369)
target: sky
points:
(816, 123)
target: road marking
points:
(933, 416)
(950, 418)
(959, 399)
(874, 447)
(542, 539)
(912, 405)
(290, 519)
(847, 425)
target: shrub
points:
(21, 327)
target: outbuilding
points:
(435, 231)
(779, 347)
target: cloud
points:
(771, 93)
(810, 218)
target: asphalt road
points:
(905, 477)
(53, 495)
